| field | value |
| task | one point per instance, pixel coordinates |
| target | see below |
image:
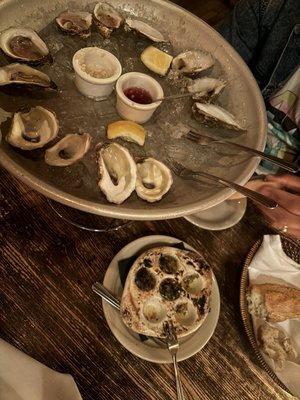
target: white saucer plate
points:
(222, 216)
(150, 350)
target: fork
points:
(173, 346)
(183, 172)
(198, 137)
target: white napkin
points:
(271, 265)
(23, 378)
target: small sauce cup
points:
(96, 71)
(128, 109)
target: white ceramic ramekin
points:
(127, 108)
(95, 58)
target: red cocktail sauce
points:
(138, 95)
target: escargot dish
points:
(166, 285)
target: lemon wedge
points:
(156, 60)
(127, 130)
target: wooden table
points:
(49, 311)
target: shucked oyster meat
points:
(154, 180)
(75, 22)
(117, 172)
(216, 115)
(21, 74)
(23, 44)
(192, 62)
(32, 130)
(167, 284)
(106, 18)
(68, 150)
(206, 89)
(145, 29)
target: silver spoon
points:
(174, 96)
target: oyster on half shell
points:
(145, 29)
(23, 44)
(166, 284)
(153, 181)
(206, 89)
(68, 150)
(107, 19)
(75, 22)
(33, 129)
(216, 115)
(192, 62)
(21, 74)
(117, 172)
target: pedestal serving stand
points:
(87, 221)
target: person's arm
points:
(286, 216)
(241, 29)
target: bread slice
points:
(275, 344)
(274, 302)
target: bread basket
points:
(292, 250)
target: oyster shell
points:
(68, 150)
(33, 129)
(21, 74)
(206, 89)
(213, 114)
(107, 19)
(145, 29)
(117, 173)
(153, 181)
(166, 284)
(23, 44)
(75, 22)
(192, 62)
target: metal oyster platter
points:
(76, 185)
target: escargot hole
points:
(168, 264)
(170, 289)
(145, 280)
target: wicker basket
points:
(292, 249)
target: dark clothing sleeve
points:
(265, 34)
(241, 28)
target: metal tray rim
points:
(147, 213)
